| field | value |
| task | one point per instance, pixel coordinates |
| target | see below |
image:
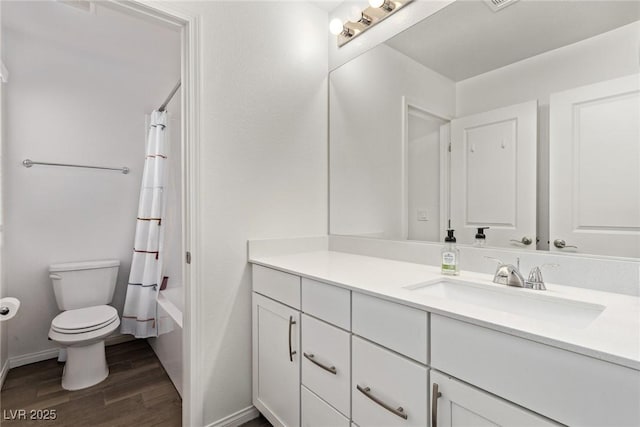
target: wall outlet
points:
(423, 215)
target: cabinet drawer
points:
(327, 302)
(327, 346)
(567, 387)
(395, 326)
(275, 284)
(392, 380)
(317, 413)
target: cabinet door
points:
(276, 361)
(460, 405)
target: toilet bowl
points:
(82, 332)
(82, 290)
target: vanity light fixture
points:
(359, 22)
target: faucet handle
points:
(535, 280)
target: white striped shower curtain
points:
(139, 315)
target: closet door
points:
(493, 175)
(594, 200)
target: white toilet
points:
(82, 290)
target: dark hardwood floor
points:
(137, 393)
(257, 422)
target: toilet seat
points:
(84, 320)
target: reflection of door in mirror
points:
(426, 170)
(595, 168)
(493, 175)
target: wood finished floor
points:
(257, 422)
(137, 393)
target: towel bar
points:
(27, 163)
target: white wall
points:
(71, 103)
(4, 326)
(603, 57)
(174, 258)
(366, 150)
(263, 168)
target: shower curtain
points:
(139, 316)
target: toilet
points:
(82, 291)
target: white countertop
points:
(613, 336)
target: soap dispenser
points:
(480, 237)
(450, 255)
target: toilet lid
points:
(83, 319)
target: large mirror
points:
(524, 120)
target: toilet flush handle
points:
(55, 277)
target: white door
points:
(493, 175)
(456, 404)
(276, 361)
(425, 168)
(594, 200)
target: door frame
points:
(189, 26)
(409, 104)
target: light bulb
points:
(335, 26)
(385, 5)
(355, 13)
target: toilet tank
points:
(84, 284)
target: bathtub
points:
(168, 344)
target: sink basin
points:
(514, 301)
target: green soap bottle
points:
(450, 255)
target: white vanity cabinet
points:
(325, 356)
(456, 404)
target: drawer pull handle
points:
(435, 394)
(367, 392)
(291, 352)
(311, 357)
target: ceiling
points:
(104, 33)
(327, 5)
(467, 38)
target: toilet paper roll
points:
(8, 308)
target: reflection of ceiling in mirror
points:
(467, 38)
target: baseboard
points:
(38, 356)
(52, 353)
(4, 372)
(234, 420)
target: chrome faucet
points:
(508, 274)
